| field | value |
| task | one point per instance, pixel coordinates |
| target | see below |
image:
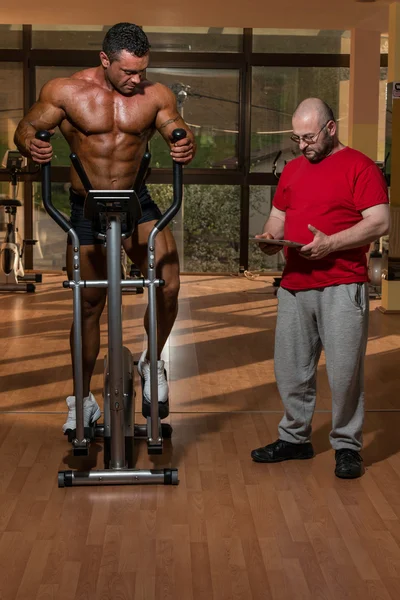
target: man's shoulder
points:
(61, 90)
(157, 88)
(357, 158)
(84, 74)
(80, 79)
(158, 94)
(293, 165)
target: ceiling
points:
(309, 14)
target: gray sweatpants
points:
(335, 318)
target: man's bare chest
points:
(101, 113)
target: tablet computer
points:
(277, 242)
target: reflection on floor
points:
(232, 528)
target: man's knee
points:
(170, 291)
(93, 306)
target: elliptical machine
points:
(114, 214)
(12, 275)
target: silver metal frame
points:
(155, 437)
(118, 408)
(118, 386)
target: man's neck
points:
(337, 147)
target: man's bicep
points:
(48, 111)
(380, 212)
(168, 120)
(44, 116)
(370, 189)
(168, 117)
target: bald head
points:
(314, 109)
(314, 129)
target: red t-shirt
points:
(329, 195)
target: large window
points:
(236, 88)
(68, 37)
(301, 41)
(208, 100)
(208, 229)
(194, 39)
(276, 93)
(11, 103)
(11, 36)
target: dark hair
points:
(125, 36)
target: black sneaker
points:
(349, 464)
(281, 450)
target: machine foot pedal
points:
(90, 433)
(154, 449)
(163, 409)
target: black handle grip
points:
(177, 134)
(81, 171)
(46, 188)
(43, 135)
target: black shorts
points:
(83, 227)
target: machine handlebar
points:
(46, 188)
(177, 134)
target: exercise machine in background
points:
(12, 275)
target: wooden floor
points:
(232, 529)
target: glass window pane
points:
(49, 252)
(303, 41)
(11, 36)
(208, 238)
(70, 37)
(60, 146)
(11, 103)
(276, 93)
(165, 39)
(209, 102)
(260, 206)
(194, 39)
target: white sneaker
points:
(91, 412)
(144, 372)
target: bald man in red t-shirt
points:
(334, 201)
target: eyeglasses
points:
(308, 139)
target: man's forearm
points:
(275, 226)
(366, 231)
(23, 134)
